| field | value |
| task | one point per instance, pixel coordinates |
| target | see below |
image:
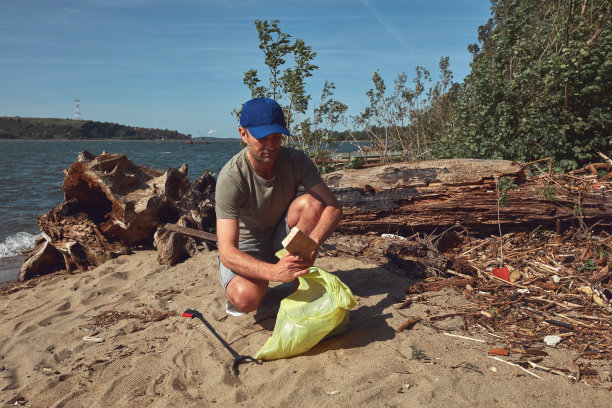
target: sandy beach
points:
(145, 354)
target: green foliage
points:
(549, 191)
(211, 173)
(286, 82)
(355, 162)
(411, 116)
(503, 186)
(539, 85)
(316, 136)
(418, 354)
(588, 265)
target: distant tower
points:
(77, 109)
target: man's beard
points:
(259, 156)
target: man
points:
(256, 207)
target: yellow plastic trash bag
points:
(319, 307)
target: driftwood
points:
(173, 247)
(112, 205)
(404, 198)
(203, 235)
(175, 243)
(415, 257)
(41, 259)
(127, 201)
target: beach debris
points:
(173, 247)
(468, 366)
(552, 340)
(40, 260)
(522, 313)
(332, 392)
(499, 352)
(502, 273)
(418, 354)
(93, 339)
(464, 337)
(408, 324)
(550, 370)
(147, 315)
(405, 387)
(298, 243)
(515, 365)
(112, 205)
(416, 257)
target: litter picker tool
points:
(237, 357)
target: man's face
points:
(263, 150)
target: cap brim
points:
(259, 132)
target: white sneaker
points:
(231, 310)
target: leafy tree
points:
(318, 136)
(405, 118)
(539, 85)
(286, 83)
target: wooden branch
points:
(206, 236)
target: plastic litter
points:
(552, 340)
(318, 309)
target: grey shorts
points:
(262, 249)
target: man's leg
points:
(304, 213)
(247, 294)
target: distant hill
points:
(49, 129)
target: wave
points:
(14, 244)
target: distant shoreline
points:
(184, 141)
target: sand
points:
(152, 357)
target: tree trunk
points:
(405, 198)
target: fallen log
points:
(404, 198)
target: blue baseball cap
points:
(262, 117)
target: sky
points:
(179, 64)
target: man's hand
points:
(313, 257)
(288, 268)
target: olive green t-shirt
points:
(258, 203)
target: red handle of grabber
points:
(187, 314)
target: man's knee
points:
(244, 295)
(305, 212)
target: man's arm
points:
(287, 269)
